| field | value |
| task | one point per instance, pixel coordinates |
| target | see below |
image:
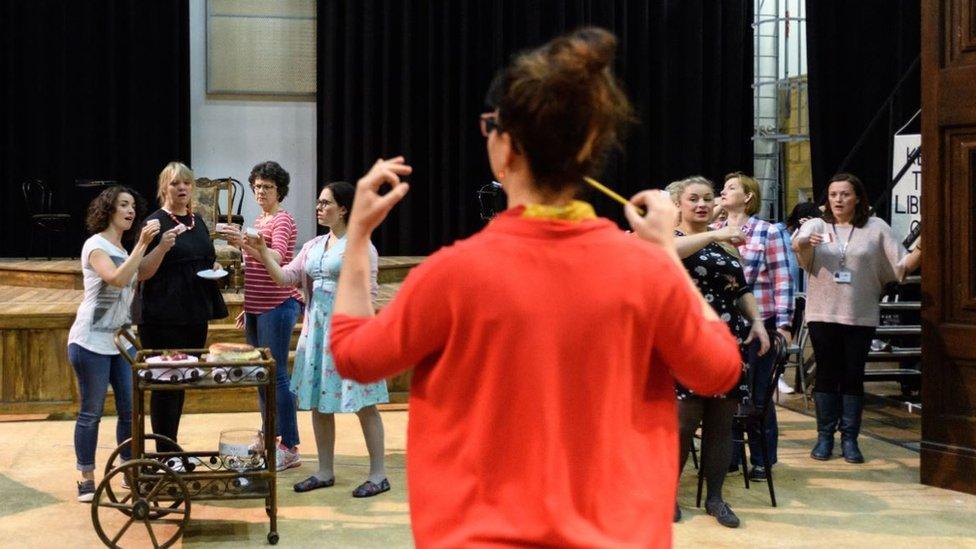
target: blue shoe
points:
(86, 491)
(369, 489)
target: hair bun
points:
(562, 106)
(588, 50)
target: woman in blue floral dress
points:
(314, 381)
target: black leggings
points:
(166, 407)
(715, 417)
(841, 351)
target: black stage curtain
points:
(91, 90)
(409, 77)
(857, 53)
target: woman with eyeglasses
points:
(545, 347)
(270, 311)
(316, 384)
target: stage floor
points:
(821, 504)
(65, 273)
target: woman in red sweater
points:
(546, 346)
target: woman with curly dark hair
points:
(270, 311)
(110, 276)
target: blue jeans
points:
(760, 370)
(273, 329)
(95, 372)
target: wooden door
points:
(948, 447)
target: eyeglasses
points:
(323, 204)
(489, 123)
(262, 187)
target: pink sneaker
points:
(286, 458)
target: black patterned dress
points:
(718, 275)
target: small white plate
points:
(212, 274)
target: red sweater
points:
(542, 406)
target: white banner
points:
(906, 195)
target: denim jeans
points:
(273, 329)
(761, 369)
(95, 372)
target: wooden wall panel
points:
(948, 448)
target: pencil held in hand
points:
(607, 191)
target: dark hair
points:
(344, 194)
(801, 211)
(862, 211)
(562, 106)
(102, 207)
(271, 171)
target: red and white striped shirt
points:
(261, 294)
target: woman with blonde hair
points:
(174, 305)
(544, 414)
(717, 271)
(766, 262)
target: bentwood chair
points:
(755, 417)
(207, 197)
(38, 200)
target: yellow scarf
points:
(576, 210)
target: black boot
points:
(828, 414)
(850, 427)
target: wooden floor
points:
(66, 273)
(38, 303)
(830, 504)
(20, 299)
(44, 303)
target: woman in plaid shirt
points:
(765, 261)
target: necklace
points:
(189, 212)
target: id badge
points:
(842, 276)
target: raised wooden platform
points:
(36, 314)
(65, 274)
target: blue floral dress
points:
(315, 381)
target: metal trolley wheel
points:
(115, 491)
(163, 526)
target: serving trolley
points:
(146, 500)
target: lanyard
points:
(843, 247)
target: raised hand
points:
(730, 234)
(231, 234)
(169, 238)
(255, 246)
(148, 233)
(815, 239)
(657, 224)
(369, 208)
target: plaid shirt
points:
(766, 264)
